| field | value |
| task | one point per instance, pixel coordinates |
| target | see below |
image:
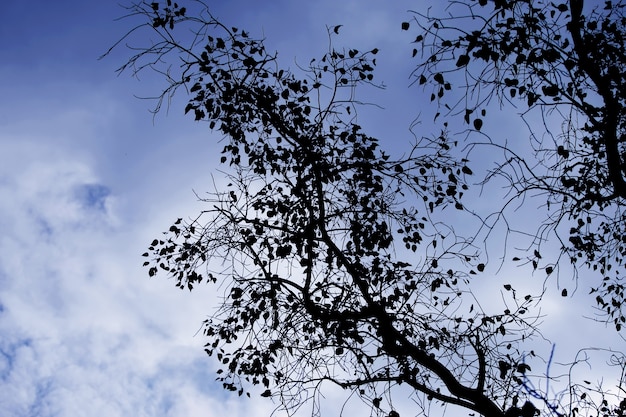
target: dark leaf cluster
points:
(563, 60)
(327, 262)
(316, 236)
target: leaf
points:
(236, 293)
(478, 123)
(507, 287)
(266, 393)
(405, 25)
(550, 90)
(467, 115)
(480, 267)
(564, 292)
(504, 368)
(462, 61)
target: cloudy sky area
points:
(88, 176)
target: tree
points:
(567, 61)
(334, 267)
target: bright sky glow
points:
(88, 177)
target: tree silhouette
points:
(333, 266)
(566, 60)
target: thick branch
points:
(609, 125)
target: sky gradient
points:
(88, 177)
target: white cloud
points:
(83, 331)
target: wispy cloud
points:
(82, 330)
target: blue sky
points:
(88, 177)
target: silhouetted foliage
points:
(568, 61)
(332, 267)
